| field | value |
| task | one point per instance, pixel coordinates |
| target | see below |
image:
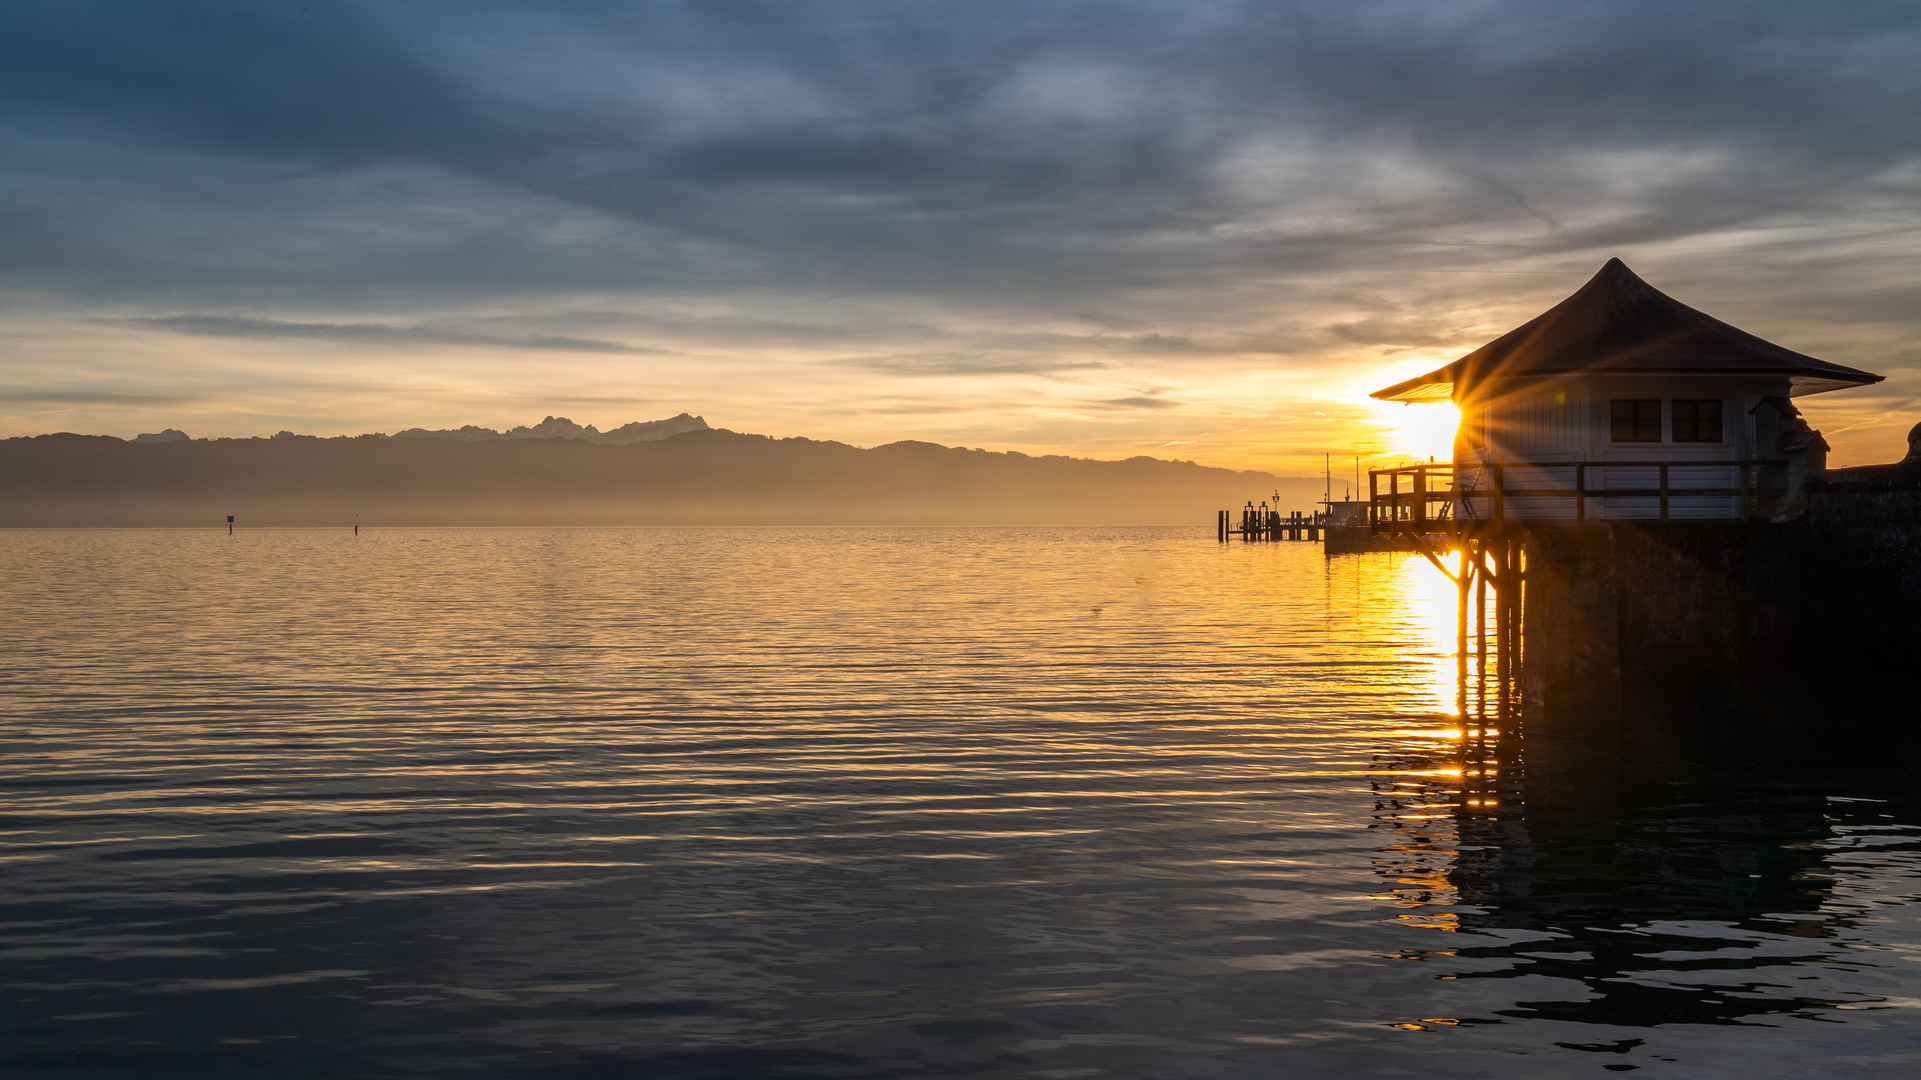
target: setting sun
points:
(1419, 431)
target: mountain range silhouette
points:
(559, 473)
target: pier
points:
(1264, 524)
(1786, 600)
(1481, 524)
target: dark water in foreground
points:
(883, 803)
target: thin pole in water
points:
(229, 524)
(356, 524)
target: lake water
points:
(876, 803)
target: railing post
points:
(1420, 499)
(1664, 491)
(1500, 492)
(1741, 469)
(1580, 491)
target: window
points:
(1637, 420)
(1697, 420)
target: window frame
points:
(1695, 420)
(1641, 428)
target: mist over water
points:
(721, 803)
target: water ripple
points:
(867, 802)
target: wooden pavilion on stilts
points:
(1620, 404)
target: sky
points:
(1195, 230)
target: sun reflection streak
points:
(1430, 604)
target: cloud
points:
(755, 202)
(997, 147)
(378, 333)
(950, 364)
(88, 397)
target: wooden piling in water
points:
(1463, 584)
(1267, 523)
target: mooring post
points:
(229, 524)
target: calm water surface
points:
(862, 803)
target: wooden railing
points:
(1436, 500)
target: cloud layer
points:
(1095, 226)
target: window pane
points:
(1697, 420)
(1634, 420)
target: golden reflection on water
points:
(1431, 601)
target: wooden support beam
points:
(1421, 545)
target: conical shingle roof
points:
(1619, 324)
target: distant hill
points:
(559, 427)
(699, 477)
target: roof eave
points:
(1433, 386)
(1801, 385)
(1437, 386)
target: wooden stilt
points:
(1480, 637)
(1463, 584)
